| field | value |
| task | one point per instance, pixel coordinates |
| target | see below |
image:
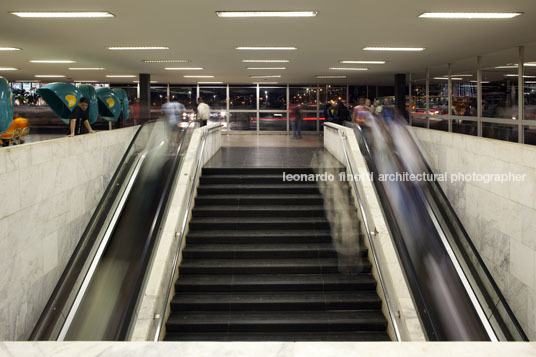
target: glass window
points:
(273, 98)
(186, 95)
(242, 98)
(215, 97)
(305, 96)
(530, 83)
(336, 93)
(273, 121)
(242, 121)
(158, 96)
(218, 117)
(504, 132)
(464, 88)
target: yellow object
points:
(111, 102)
(71, 99)
(17, 123)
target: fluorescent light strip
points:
(209, 82)
(135, 48)
(348, 69)
(516, 75)
(330, 77)
(49, 76)
(394, 49)
(265, 48)
(515, 66)
(469, 15)
(198, 76)
(267, 76)
(139, 81)
(265, 61)
(121, 76)
(90, 81)
(64, 14)
(52, 61)
(87, 69)
(362, 62)
(265, 83)
(9, 49)
(530, 82)
(184, 68)
(8, 69)
(483, 82)
(166, 61)
(446, 78)
(266, 68)
(266, 13)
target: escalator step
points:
(259, 211)
(258, 189)
(275, 283)
(255, 171)
(262, 199)
(243, 223)
(279, 336)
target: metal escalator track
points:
(98, 292)
(455, 294)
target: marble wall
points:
(49, 192)
(499, 217)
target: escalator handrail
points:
(162, 206)
(184, 223)
(369, 232)
(445, 201)
(51, 312)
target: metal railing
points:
(370, 228)
(183, 224)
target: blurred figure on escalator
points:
(341, 114)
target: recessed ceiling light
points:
(266, 68)
(515, 75)
(88, 81)
(198, 76)
(348, 69)
(49, 76)
(86, 69)
(530, 82)
(265, 48)
(265, 61)
(266, 76)
(266, 13)
(458, 75)
(121, 76)
(134, 48)
(52, 61)
(139, 81)
(209, 82)
(513, 66)
(393, 49)
(64, 14)
(184, 68)
(9, 49)
(469, 15)
(530, 64)
(483, 82)
(330, 77)
(362, 62)
(166, 61)
(265, 83)
(8, 69)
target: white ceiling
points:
(193, 31)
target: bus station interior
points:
(241, 236)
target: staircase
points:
(259, 265)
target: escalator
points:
(455, 295)
(98, 291)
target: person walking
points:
(341, 113)
(203, 111)
(297, 122)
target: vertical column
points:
(258, 107)
(449, 91)
(145, 96)
(521, 95)
(228, 109)
(479, 95)
(318, 109)
(427, 98)
(400, 93)
(410, 100)
(288, 109)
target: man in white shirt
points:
(203, 112)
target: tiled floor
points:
(267, 151)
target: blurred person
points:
(297, 122)
(135, 107)
(378, 107)
(328, 112)
(341, 113)
(80, 117)
(203, 111)
(361, 113)
(368, 106)
(173, 111)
